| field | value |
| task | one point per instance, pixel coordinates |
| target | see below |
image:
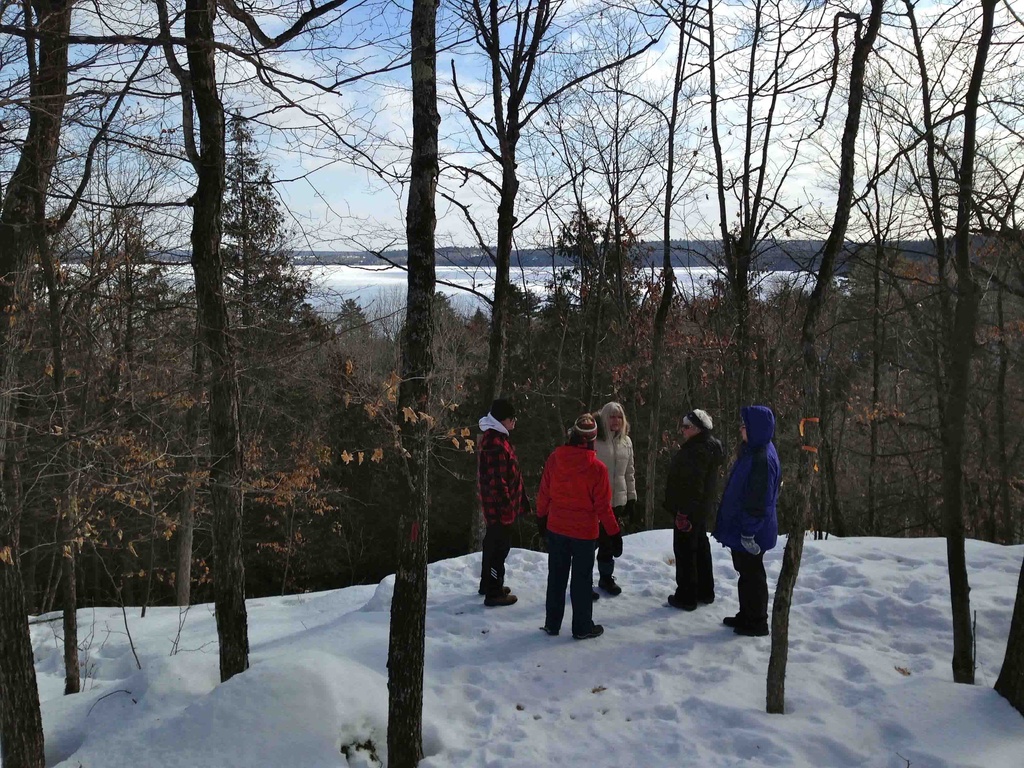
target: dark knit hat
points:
(585, 427)
(502, 409)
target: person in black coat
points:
(691, 496)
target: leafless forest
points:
(173, 442)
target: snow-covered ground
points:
(869, 680)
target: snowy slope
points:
(660, 688)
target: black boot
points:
(752, 630)
(675, 602)
(595, 631)
(607, 583)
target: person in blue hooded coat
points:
(747, 520)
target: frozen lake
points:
(382, 289)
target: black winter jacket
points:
(692, 486)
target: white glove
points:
(750, 545)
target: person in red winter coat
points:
(575, 498)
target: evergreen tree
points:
(265, 289)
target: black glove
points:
(617, 545)
(542, 527)
(629, 509)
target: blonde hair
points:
(608, 410)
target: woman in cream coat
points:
(615, 450)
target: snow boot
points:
(675, 602)
(595, 631)
(732, 621)
(752, 630)
(499, 600)
(549, 631)
(607, 583)
(482, 591)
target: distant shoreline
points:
(784, 256)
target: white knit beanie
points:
(699, 419)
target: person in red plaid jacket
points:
(502, 498)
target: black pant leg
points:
(605, 561)
(704, 565)
(580, 586)
(686, 566)
(497, 543)
(559, 563)
(753, 587)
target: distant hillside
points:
(789, 256)
(784, 256)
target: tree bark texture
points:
(776, 683)
(668, 283)
(1010, 684)
(67, 512)
(69, 595)
(21, 730)
(208, 267)
(877, 346)
(1005, 469)
(409, 603)
(960, 356)
(812, 394)
(190, 466)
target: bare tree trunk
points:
(68, 505)
(668, 284)
(21, 727)
(498, 338)
(812, 405)
(21, 730)
(829, 462)
(69, 594)
(593, 330)
(207, 264)
(961, 354)
(190, 465)
(409, 603)
(877, 345)
(502, 265)
(1005, 505)
(151, 559)
(1010, 684)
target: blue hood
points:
(760, 423)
